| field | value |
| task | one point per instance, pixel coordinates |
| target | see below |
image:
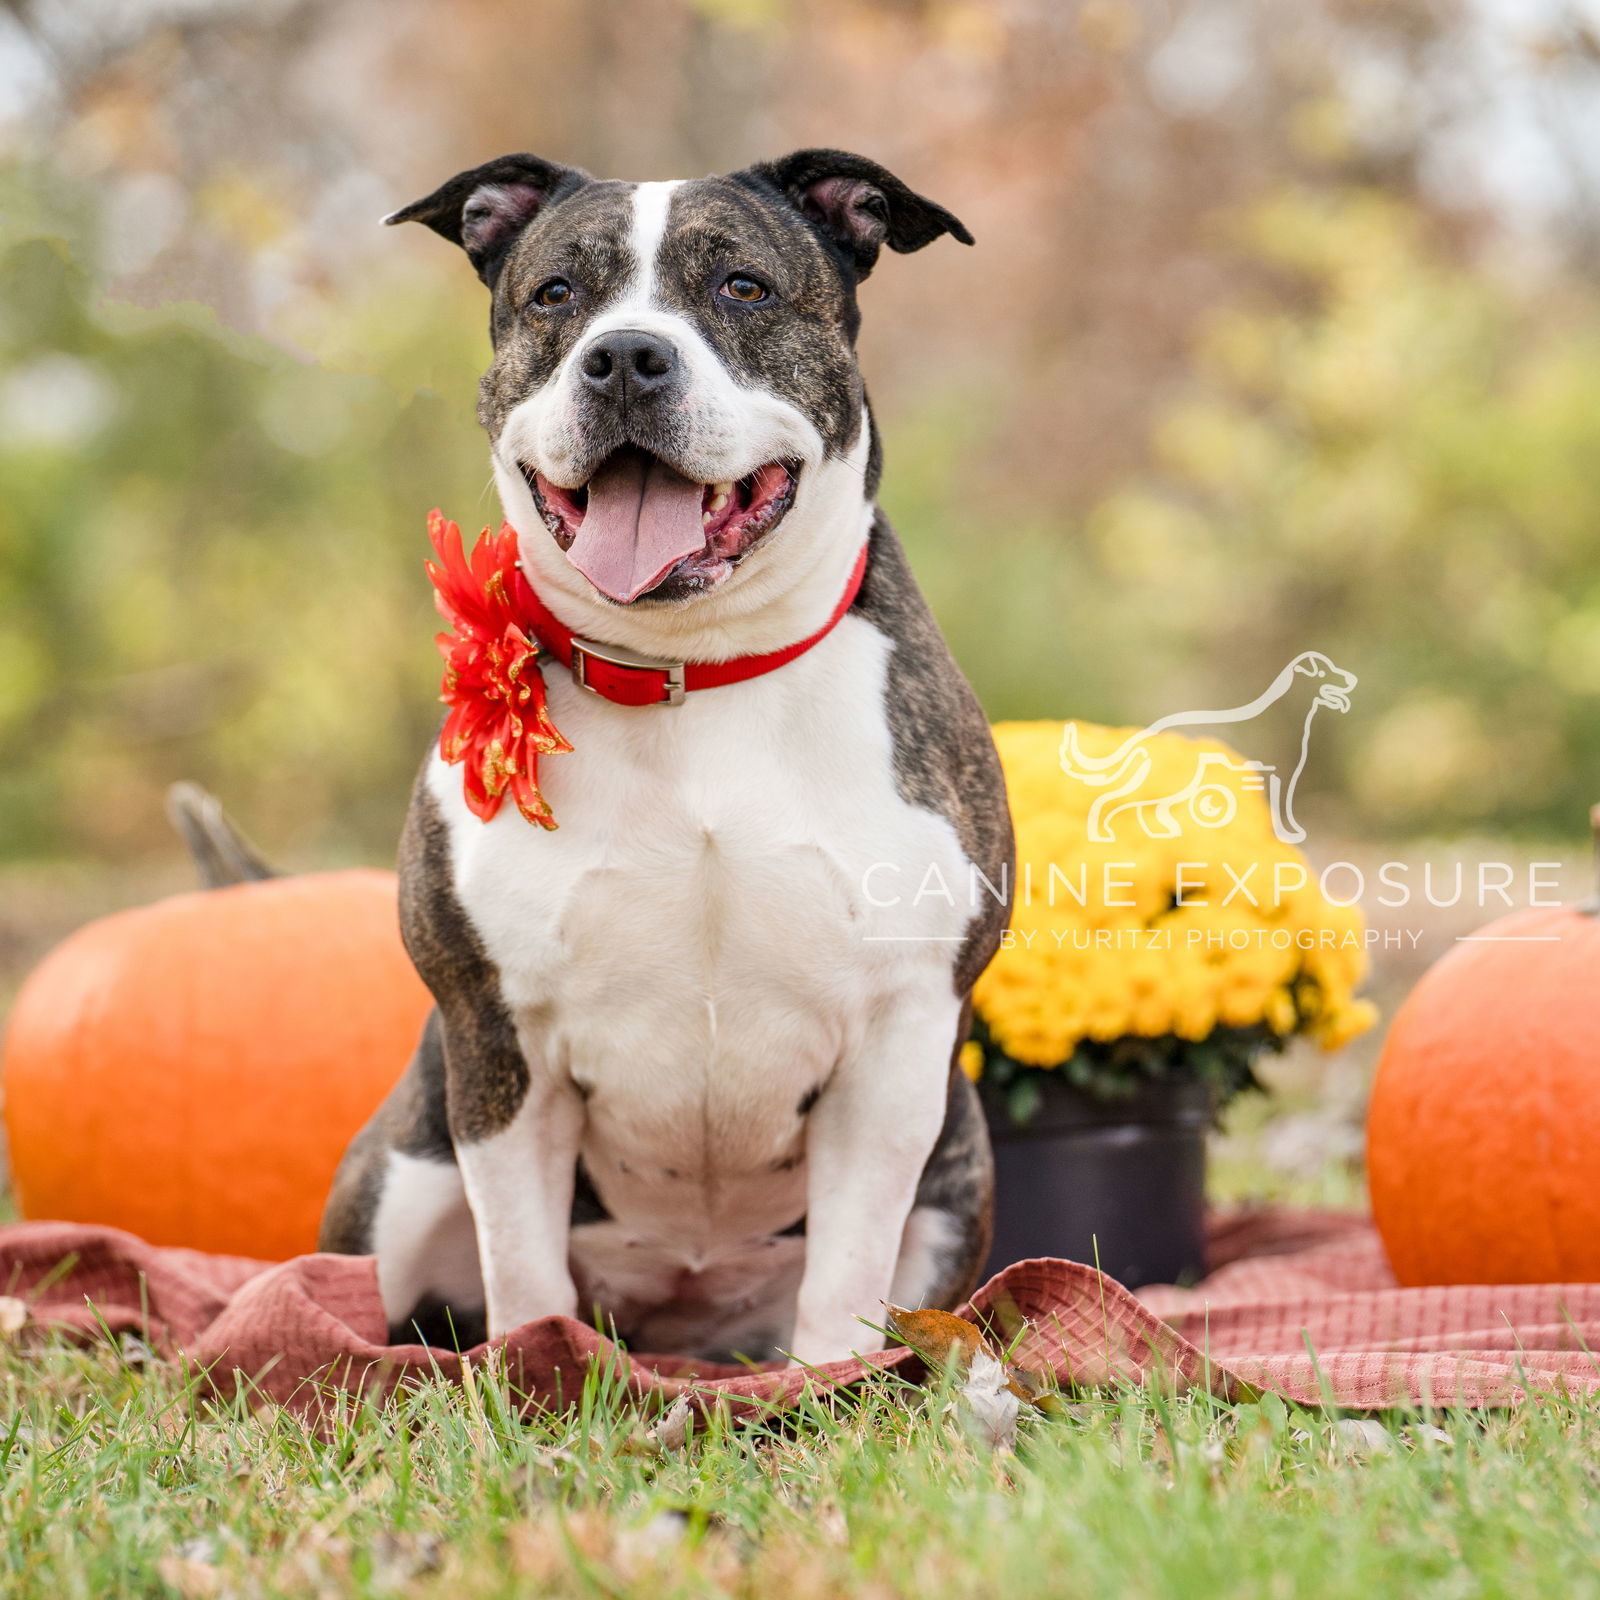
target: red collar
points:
(626, 678)
(498, 725)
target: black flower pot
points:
(1116, 1183)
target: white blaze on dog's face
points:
(655, 457)
(674, 377)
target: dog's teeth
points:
(722, 489)
(705, 519)
(720, 501)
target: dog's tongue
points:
(641, 521)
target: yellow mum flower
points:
(972, 1059)
(1153, 899)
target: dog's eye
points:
(741, 287)
(558, 292)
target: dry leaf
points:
(135, 1352)
(943, 1339)
(940, 1337)
(987, 1403)
(672, 1431)
(1040, 1388)
(1361, 1438)
(989, 1398)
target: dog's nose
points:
(629, 364)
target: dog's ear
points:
(484, 208)
(858, 205)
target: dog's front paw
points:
(518, 1307)
(839, 1339)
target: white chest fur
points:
(703, 938)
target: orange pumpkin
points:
(193, 1070)
(1483, 1135)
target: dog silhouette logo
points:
(1209, 799)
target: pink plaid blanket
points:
(1300, 1303)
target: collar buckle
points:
(614, 673)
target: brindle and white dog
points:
(692, 1066)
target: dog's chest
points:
(735, 887)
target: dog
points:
(693, 1064)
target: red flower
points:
(498, 726)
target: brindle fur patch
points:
(352, 1204)
(959, 1181)
(799, 344)
(944, 755)
(584, 239)
(412, 1120)
(468, 1076)
(944, 759)
(486, 1078)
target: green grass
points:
(118, 1480)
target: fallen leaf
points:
(943, 1340)
(987, 1403)
(135, 1352)
(672, 1431)
(1040, 1389)
(989, 1398)
(1362, 1438)
(940, 1337)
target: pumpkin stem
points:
(222, 855)
(1590, 904)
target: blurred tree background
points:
(1282, 332)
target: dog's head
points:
(674, 363)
